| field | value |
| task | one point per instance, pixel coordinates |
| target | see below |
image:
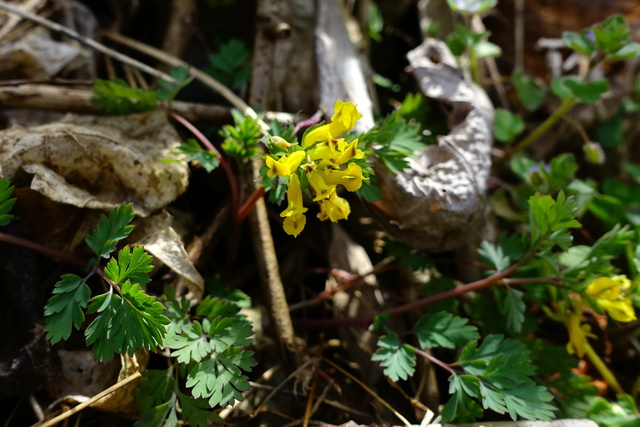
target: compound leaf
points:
(461, 406)
(444, 330)
(219, 378)
(125, 324)
(65, 307)
(397, 359)
(197, 412)
(191, 151)
(110, 230)
(132, 266)
(190, 345)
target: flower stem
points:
(545, 126)
(602, 368)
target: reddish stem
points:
(435, 361)
(41, 249)
(235, 200)
(365, 321)
(245, 209)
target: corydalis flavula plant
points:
(320, 164)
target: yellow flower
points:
(294, 197)
(348, 151)
(345, 116)
(281, 142)
(608, 294)
(320, 187)
(294, 225)
(350, 178)
(319, 134)
(334, 208)
(578, 333)
(286, 165)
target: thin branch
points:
(435, 361)
(52, 253)
(90, 401)
(365, 321)
(84, 40)
(368, 390)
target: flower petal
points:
(294, 197)
(294, 225)
(350, 178)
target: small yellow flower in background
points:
(611, 295)
(328, 165)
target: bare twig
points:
(57, 98)
(90, 401)
(15, 20)
(84, 40)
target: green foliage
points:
(127, 320)
(110, 230)
(464, 39)
(501, 369)
(190, 151)
(230, 65)
(409, 257)
(375, 23)
(125, 323)
(6, 204)
(397, 359)
(623, 413)
(551, 219)
(168, 91)
(511, 305)
(393, 140)
(159, 394)
(444, 330)
(65, 308)
(529, 92)
(507, 125)
(567, 86)
(116, 97)
(241, 140)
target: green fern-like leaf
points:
(191, 151)
(125, 324)
(65, 308)
(444, 330)
(397, 359)
(6, 204)
(219, 378)
(130, 265)
(110, 230)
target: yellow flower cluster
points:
(324, 160)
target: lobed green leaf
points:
(444, 330)
(110, 230)
(397, 359)
(65, 308)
